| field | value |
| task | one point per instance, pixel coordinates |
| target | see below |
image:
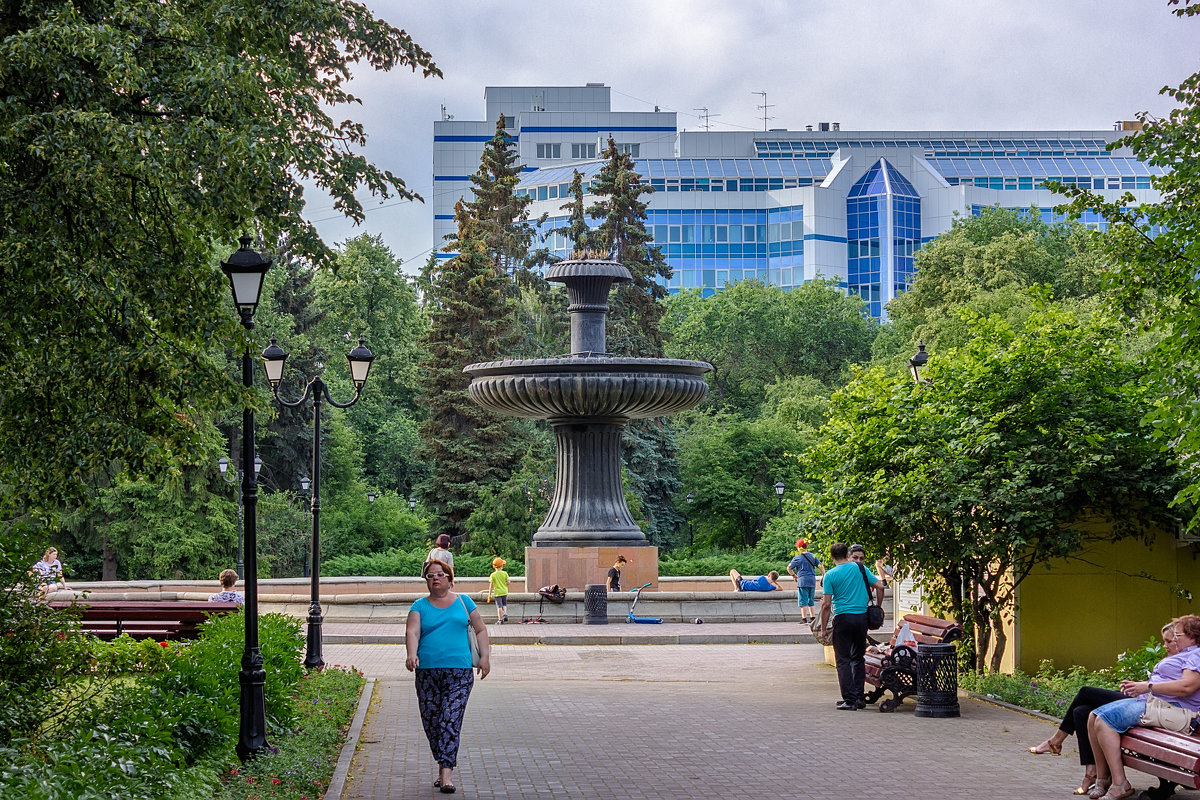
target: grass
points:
(298, 766)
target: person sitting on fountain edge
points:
(763, 583)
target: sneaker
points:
(844, 706)
(860, 705)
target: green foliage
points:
(208, 668)
(719, 562)
(1051, 691)
(467, 447)
(1156, 256)
(730, 466)
(135, 136)
(407, 563)
(501, 524)
(1023, 436)
(300, 767)
(284, 530)
(756, 335)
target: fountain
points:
(588, 397)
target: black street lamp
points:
(779, 490)
(371, 497)
(360, 359)
(236, 480)
(412, 505)
(917, 363)
(246, 270)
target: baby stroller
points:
(555, 594)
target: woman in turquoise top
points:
(439, 652)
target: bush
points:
(401, 563)
(719, 562)
(209, 666)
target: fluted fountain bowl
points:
(589, 386)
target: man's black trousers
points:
(849, 646)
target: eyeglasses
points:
(429, 575)
(1177, 632)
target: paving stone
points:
(686, 722)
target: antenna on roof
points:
(763, 108)
(446, 116)
(705, 115)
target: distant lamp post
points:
(691, 496)
(360, 359)
(236, 480)
(779, 490)
(246, 270)
(412, 505)
(304, 484)
(917, 363)
(371, 497)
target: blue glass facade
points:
(784, 207)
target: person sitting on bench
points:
(763, 583)
(227, 594)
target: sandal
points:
(1123, 795)
(1086, 785)
(1046, 747)
(1100, 788)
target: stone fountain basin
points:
(589, 386)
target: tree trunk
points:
(1001, 642)
(108, 569)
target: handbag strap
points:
(866, 583)
(464, 605)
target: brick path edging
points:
(341, 771)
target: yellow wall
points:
(1086, 610)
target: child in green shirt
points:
(498, 589)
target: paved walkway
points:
(687, 722)
(614, 633)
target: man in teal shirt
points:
(844, 596)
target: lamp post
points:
(246, 270)
(304, 484)
(917, 363)
(223, 467)
(691, 534)
(412, 505)
(360, 359)
(779, 490)
(371, 497)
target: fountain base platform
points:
(575, 567)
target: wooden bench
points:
(160, 620)
(897, 672)
(1174, 758)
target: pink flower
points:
(276, 781)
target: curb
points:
(983, 698)
(337, 781)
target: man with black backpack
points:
(803, 568)
(845, 599)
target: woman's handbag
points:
(1161, 714)
(471, 639)
(874, 612)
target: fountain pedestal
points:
(575, 567)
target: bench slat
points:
(1187, 779)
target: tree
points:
(755, 335)
(136, 140)
(500, 211)
(465, 446)
(1156, 256)
(1024, 436)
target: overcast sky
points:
(868, 64)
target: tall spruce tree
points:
(466, 447)
(636, 309)
(501, 213)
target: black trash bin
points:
(595, 604)
(937, 680)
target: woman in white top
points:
(49, 571)
(441, 552)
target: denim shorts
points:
(1121, 715)
(804, 595)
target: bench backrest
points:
(930, 630)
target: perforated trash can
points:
(595, 604)
(937, 680)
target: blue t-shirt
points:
(759, 584)
(443, 640)
(804, 565)
(844, 583)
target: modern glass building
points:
(782, 206)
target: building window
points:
(584, 150)
(631, 150)
(548, 150)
